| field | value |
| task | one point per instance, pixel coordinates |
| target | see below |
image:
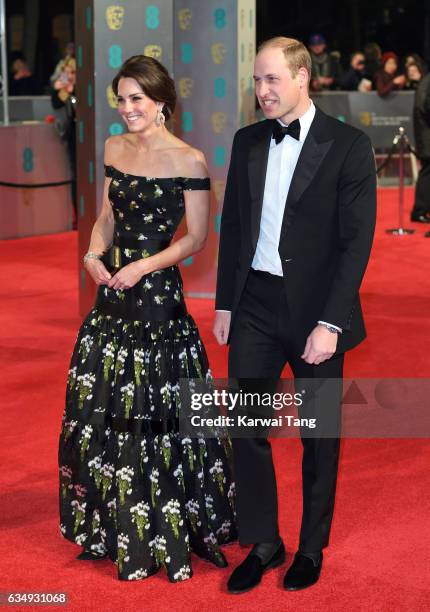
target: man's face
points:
(357, 62)
(278, 92)
(318, 49)
(17, 66)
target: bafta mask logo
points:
(185, 18)
(154, 51)
(218, 188)
(186, 88)
(111, 97)
(366, 118)
(115, 17)
(219, 53)
(218, 121)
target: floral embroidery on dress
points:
(147, 500)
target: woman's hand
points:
(128, 276)
(97, 271)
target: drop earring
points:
(160, 118)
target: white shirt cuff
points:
(339, 329)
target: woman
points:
(385, 78)
(414, 74)
(64, 101)
(131, 487)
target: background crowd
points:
(367, 69)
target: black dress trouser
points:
(260, 345)
(422, 190)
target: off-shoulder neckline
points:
(157, 178)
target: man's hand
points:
(221, 326)
(127, 277)
(320, 345)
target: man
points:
(296, 233)
(22, 82)
(354, 79)
(325, 66)
(421, 210)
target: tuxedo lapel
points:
(311, 156)
(257, 167)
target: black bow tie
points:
(279, 131)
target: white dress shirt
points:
(281, 164)
(280, 169)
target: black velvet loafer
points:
(248, 574)
(302, 573)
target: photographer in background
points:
(354, 79)
(64, 101)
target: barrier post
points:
(401, 140)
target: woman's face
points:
(70, 71)
(413, 72)
(136, 108)
(390, 66)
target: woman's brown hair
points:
(152, 77)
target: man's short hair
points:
(295, 52)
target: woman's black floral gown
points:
(130, 486)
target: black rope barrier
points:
(34, 185)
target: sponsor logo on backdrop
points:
(218, 121)
(220, 18)
(185, 19)
(115, 56)
(115, 129)
(186, 53)
(115, 17)
(218, 187)
(366, 118)
(154, 51)
(152, 17)
(219, 87)
(111, 97)
(187, 121)
(186, 87)
(219, 53)
(27, 160)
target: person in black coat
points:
(421, 210)
(63, 100)
(355, 79)
(296, 233)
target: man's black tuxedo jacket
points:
(327, 228)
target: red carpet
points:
(379, 555)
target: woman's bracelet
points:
(90, 255)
